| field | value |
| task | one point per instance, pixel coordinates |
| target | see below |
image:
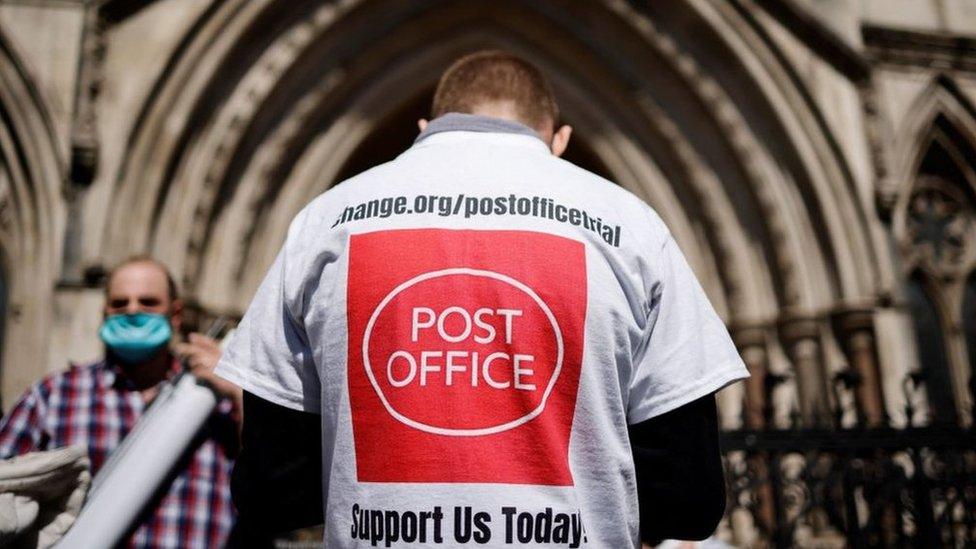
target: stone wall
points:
(775, 138)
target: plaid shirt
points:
(94, 406)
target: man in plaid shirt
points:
(96, 404)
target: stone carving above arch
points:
(800, 149)
(182, 225)
(792, 262)
(940, 228)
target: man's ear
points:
(422, 124)
(176, 315)
(560, 140)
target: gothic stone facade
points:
(816, 160)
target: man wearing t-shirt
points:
(479, 344)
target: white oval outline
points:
(463, 432)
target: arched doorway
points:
(727, 147)
(937, 230)
(932, 355)
(396, 132)
(236, 139)
(688, 106)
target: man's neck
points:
(475, 123)
(149, 374)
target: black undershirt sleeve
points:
(277, 481)
(680, 481)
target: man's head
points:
(501, 85)
(142, 284)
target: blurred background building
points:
(816, 160)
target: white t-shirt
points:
(477, 322)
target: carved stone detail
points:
(741, 139)
(260, 81)
(84, 134)
(939, 227)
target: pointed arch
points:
(940, 113)
(31, 219)
(939, 168)
(285, 98)
(792, 145)
(247, 123)
(935, 226)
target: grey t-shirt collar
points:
(455, 121)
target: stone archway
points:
(268, 101)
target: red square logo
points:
(464, 355)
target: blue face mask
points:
(137, 337)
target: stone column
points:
(801, 337)
(751, 343)
(856, 331)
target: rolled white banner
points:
(135, 470)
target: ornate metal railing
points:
(877, 487)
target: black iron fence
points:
(863, 487)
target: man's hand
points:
(201, 355)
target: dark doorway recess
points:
(396, 132)
(932, 355)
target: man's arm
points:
(680, 483)
(277, 480)
(21, 430)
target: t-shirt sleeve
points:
(269, 354)
(686, 351)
